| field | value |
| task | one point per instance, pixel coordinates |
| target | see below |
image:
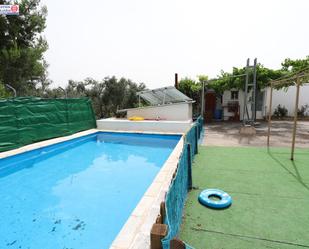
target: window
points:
(234, 95)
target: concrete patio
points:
(227, 134)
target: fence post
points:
(177, 244)
(161, 217)
(189, 166)
(196, 140)
(158, 232)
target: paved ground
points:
(227, 134)
(270, 199)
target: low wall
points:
(172, 112)
(286, 97)
(113, 124)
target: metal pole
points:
(203, 99)
(254, 91)
(246, 90)
(295, 118)
(269, 114)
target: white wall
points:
(113, 124)
(176, 112)
(227, 97)
(286, 97)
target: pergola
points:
(297, 79)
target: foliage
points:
(22, 46)
(280, 111)
(202, 78)
(226, 80)
(108, 95)
(189, 87)
(3, 92)
(295, 65)
(192, 89)
(303, 111)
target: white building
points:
(285, 97)
(169, 110)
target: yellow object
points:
(136, 118)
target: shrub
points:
(280, 111)
(303, 111)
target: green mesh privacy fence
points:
(176, 197)
(182, 182)
(27, 120)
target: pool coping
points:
(135, 233)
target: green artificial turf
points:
(270, 199)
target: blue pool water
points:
(77, 194)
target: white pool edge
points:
(135, 234)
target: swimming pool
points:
(77, 194)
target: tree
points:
(22, 64)
(192, 89)
(107, 95)
(118, 94)
(293, 66)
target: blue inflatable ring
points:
(224, 202)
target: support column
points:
(246, 92)
(295, 117)
(203, 99)
(269, 114)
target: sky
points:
(150, 40)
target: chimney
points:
(176, 80)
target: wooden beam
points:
(283, 82)
(301, 76)
(295, 118)
(158, 232)
(269, 115)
